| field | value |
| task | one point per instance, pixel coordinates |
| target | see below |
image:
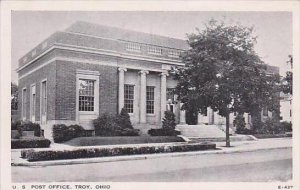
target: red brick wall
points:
(48, 72)
(66, 88)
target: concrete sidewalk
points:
(244, 146)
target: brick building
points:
(86, 70)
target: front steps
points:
(201, 131)
(144, 128)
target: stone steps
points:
(201, 131)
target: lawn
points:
(94, 141)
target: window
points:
(44, 97)
(170, 94)
(33, 102)
(133, 47)
(174, 53)
(86, 94)
(154, 50)
(150, 99)
(128, 97)
(24, 103)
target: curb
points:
(135, 157)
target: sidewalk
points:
(236, 147)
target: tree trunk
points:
(227, 131)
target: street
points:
(247, 166)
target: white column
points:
(121, 87)
(163, 94)
(143, 96)
(210, 116)
(182, 115)
(200, 119)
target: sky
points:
(273, 29)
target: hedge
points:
(163, 132)
(63, 133)
(26, 126)
(31, 155)
(37, 142)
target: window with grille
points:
(150, 99)
(128, 97)
(174, 53)
(24, 102)
(133, 47)
(154, 50)
(86, 94)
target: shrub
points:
(37, 142)
(114, 151)
(63, 133)
(26, 126)
(239, 122)
(105, 125)
(270, 126)
(168, 122)
(287, 126)
(163, 132)
(244, 131)
(114, 125)
(123, 120)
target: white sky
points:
(274, 29)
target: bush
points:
(123, 120)
(163, 132)
(244, 131)
(287, 126)
(114, 151)
(270, 126)
(114, 125)
(26, 126)
(168, 122)
(239, 122)
(63, 133)
(37, 142)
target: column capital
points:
(122, 69)
(164, 73)
(143, 72)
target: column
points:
(163, 94)
(210, 116)
(182, 115)
(143, 96)
(121, 87)
(200, 119)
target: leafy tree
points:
(222, 71)
(287, 81)
(14, 96)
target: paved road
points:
(260, 165)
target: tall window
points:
(128, 97)
(33, 102)
(154, 50)
(130, 46)
(44, 97)
(150, 99)
(86, 94)
(24, 103)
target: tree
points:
(222, 71)
(14, 96)
(287, 81)
(124, 120)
